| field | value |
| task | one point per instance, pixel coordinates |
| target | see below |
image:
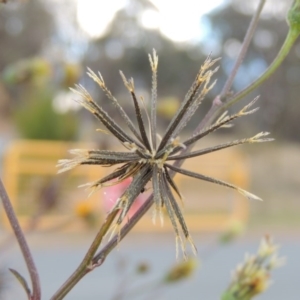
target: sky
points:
(178, 20)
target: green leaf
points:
(23, 282)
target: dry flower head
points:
(147, 157)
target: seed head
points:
(148, 158)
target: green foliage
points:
(294, 16)
(34, 71)
(36, 119)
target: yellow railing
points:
(38, 158)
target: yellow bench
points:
(207, 207)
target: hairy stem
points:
(33, 273)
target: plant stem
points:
(100, 256)
(244, 49)
(217, 104)
(88, 263)
(284, 51)
(35, 281)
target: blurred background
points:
(46, 47)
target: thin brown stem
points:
(101, 255)
(33, 273)
(217, 103)
(244, 49)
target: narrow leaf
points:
(88, 102)
(153, 63)
(130, 86)
(213, 180)
(176, 208)
(99, 79)
(170, 212)
(22, 281)
(125, 202)
(220, 123)
(201, 78)
(172, 183)
(157, 194)
(256, 139)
